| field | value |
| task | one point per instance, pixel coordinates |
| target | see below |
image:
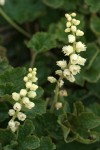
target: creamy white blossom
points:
(51, 79)
(73, 14)
(17, 106)
(2, 2)
(81, 60)
(58, 105)
(80, 47)
(79, 33)
(71, 78)
(74, 59)
(21, 116)
(73, 28)
(30, 105)
(34, 87)
(28, 84)
(31, 94)
(60, 83)
(58, 72)
(62, 64)
(71, 38)
(67, 30)
(25, 100)
(11, 112)
(74, 69)
(15, 96)
(23, 92)
(67, 50)
(75, 22)
(68, 24)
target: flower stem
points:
(56, 95)
(14, 24)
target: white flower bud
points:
(79, 33)
(25, 79)
(68, 24)
(30, 105)
(25, 100)
(16, 96)
(11, 112)
(81, 60)
(67, 50)
(28, 85)
(51, 79)
(80, 47)
(66, 73)
(17, 106)
(71, 78)
(23, 92)
(68, 17)
(73, 14)
(31, 94)
(58, 105)
(67, 30)
(34, 69)
(60, 83)
(34, 87)
(63, 93)
(30, 70)
(21, 116)
(29, 75)
(71, 38)
(13, 129)
(34, 79)
(73, 28)
(2, 2)
(74, 69)
(11, 123)
(75, 22)
(17, 123)
(74, 59)
(62, 64)
(58, 72)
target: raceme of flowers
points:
(23, 99)
(68, 70)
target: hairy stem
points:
(18, 28)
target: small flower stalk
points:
(69, 69)
(23, 99)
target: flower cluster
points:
(22, 99)
(69, 69)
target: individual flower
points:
(80, 47)
(79, 33)
(52, 79)
(62, 64)
(58, 105)
(2, 2)
(81, 60)
(15, 96)
(74, 69)
(71, 38)
(74, 59)
(67, 50)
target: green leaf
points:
(94, 88)
(26, 129)
(26, 139)
(3, 111)
(53, 3)
(6, 136)
(11, 81)
(22, 12)
(87, 121)
(78, 108)
(94, 7)
(46, 144)
(39, 92)
(95, 24)
(42, 42)
(39, 109)
(91, 53)
(93, 70)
